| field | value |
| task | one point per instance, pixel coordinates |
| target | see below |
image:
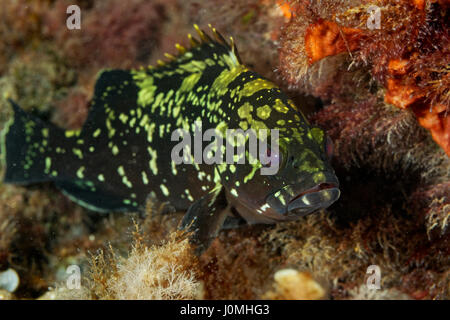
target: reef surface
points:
(381, 92)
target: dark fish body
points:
(122, 154)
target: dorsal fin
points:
(216, 40)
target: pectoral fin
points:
(205, 217)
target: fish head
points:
(298, 178)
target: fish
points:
(123, 154)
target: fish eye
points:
(329, 147)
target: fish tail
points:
(25, 148)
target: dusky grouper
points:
(122, 154)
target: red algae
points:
(408, 54)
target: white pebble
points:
(9, 280)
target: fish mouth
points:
(320, 196)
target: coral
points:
(167, 270)
(285, 8)
(9, 280)
(66, 294)
(20, 23)
(50, 71)
(45, 232)
(377, 145)
(324, 38)
(6, 295)
(408, 55)
(30, 213)
(7, 232)
(439, 214)
(339, 253)
(254, 24)
(158, 272)
(123, 37)
(168, 280)
(434, 285)
(374, 84)
(433, 201)
(36, 85)
(389, 168)
(293, 285)
(363, 293)
(228, 266)
(72, 109)
(373, 134)
(24, 255)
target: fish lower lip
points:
(319, 197)
(314, 200)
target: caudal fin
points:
(24, 146)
